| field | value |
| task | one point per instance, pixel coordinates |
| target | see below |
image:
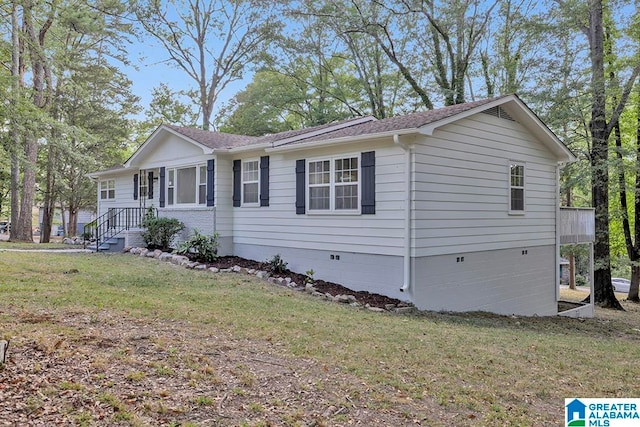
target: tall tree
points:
(89, 89)
(211, 41)
(600, 127)
(34, 41)
(631, 238)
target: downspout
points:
(407, 219)
(557, 266)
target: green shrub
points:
(581, 281)
(160, 232)
(201, 247)
(276, 264)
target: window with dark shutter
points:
(300, 186)
(264, 181)
(162, 187)
(237, 182)
(135, 186)
(210, 182)
(368, 165)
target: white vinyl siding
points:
(461, 188)
(333, 184)
(279, 226)
(108, 189)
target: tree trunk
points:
(603, 290)
(16, 74)
(635, 266)
(635, 278)
(24, 230)
(72, 226)
(572, 271)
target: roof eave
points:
(98, 174)
(335, 141)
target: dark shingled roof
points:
(409, 121)
(358, 128)
(214, 139)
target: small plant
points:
(581, 281)
(203, 401)
(276, 264)
(309, 279)
(201, 247)
(160, 232)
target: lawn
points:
(102, 339)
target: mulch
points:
(374, 300)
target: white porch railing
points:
(576, 225)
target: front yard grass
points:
(35, 246)
(160, 344)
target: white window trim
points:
(243, 182)
(175, 203)
(332, 187)
(524, 187)
(107, 189)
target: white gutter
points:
(407, 212)
(251, 147)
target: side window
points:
(202, 185)
(108, 189)
(171, 187)
(516, 187)
(319, 185)
(250, 182)
(143, 185)
(333, 184)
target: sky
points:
(150, 67)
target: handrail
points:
(114, 222)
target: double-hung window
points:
(108, 189)
(516, 188)
(250, 182)
(187, 186)
(144, 185)
(333, 184)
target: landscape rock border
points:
(288, 282)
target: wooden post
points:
(4, 346)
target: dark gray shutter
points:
(368, 166)
(210, 186)
(264, 181)
(237, 183)
(135, 186)
(162, 187)
(150, 185)
(300, 186)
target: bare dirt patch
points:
(111, 369)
